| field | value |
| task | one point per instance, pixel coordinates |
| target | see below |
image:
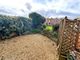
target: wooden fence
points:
(69, 37)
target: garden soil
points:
(28, 47)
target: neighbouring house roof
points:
(52, 21)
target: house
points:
(52, 21)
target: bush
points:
(36, 31)
(37, 20)
(56, 27)
(12, 24)
(55, 34)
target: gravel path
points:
(28, 47)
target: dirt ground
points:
(28, 47)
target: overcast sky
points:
(47, 8)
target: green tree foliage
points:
(37, 20)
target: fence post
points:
(61, 31)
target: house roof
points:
(52, 21)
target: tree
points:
(37, 20)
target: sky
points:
(47, 8)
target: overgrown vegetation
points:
(14, 26)
(51, 32)
(37, 20)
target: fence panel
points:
(69, 37)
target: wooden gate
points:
(69, 37)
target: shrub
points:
(37, 20)
(17, 25)
(36, 31)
